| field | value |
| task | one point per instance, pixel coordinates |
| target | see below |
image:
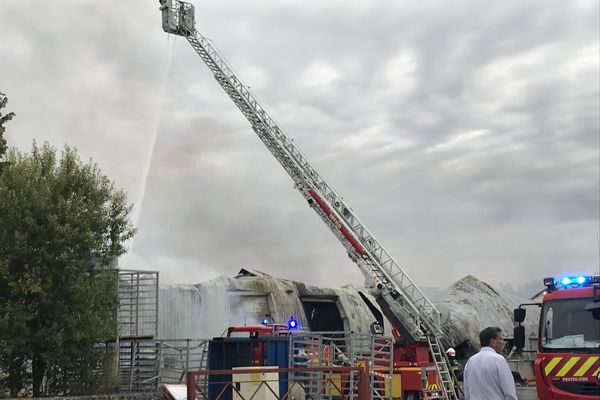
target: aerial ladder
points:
(410, 312)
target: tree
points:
(62, 224)
(3, 119)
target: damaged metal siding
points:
(205, 310)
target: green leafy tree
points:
(3, 119)
(62, 225)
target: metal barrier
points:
(268, 383)
(137, 315)
(143, 365)
(345, 349)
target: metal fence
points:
(343, 349)
(144, 365)
(137, 315)
(272, 383)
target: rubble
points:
(470, 305)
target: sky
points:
(464, 134)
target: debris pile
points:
(469, 305)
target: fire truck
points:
(418, 355)
(567, 365)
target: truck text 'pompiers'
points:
(567, 366)
(416, 321)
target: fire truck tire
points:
(412, 396)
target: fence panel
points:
(265, 383)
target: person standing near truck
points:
(487, 375)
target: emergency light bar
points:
(292, 324)
(580, 280)
(268, 320)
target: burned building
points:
(207, 309)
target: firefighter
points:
(454, 364)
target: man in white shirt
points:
(487, 375)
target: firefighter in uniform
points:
(454, 364)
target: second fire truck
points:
(567, 366)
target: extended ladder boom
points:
(414, 314)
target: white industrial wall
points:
(190, 312)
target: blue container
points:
(233, 352)
(277, 356)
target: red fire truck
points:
(419, 358)
(567, 366)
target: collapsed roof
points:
(207, 309)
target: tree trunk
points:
(39, 370)
(14, 380)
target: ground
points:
(526, 393)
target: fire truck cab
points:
(567, 366)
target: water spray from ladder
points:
(138, 204)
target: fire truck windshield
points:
(566, 325)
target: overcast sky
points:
(464, 134)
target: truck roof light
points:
(292, 324)
(566, 281)
(549, 282)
